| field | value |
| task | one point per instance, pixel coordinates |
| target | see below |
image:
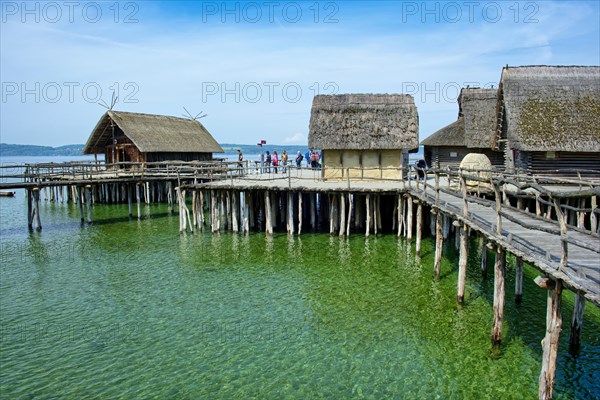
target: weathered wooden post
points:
(36, 207)
(88, 199)
(368, 212)
(400, 214)
(550, 341)
(129, 195)
(593, 216)
(499, 295)
(268, 212)
(290, 210)
(342, 214)
(483, 256)
(235, 206)
(80, 202)
(577, 322)
(29, 209)
(300, 216)
(409, 217)
(439, 242)
(419, 228)
(462, 263)
(519, 280)
(139, 200)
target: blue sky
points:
(254, 67)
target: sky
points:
(253, 68)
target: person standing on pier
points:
(307, 157)
(268, 162)
(275, 160)
(299, 158)
(284, 161)
(240, 162)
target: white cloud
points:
(298, 138)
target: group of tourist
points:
(312, 157)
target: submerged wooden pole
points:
(368, 205)
(400, 214)
(519, 280)
(300, 213)
(268, 211)
(462, 263)
(139, 200)
(351, 209)
(577, 322)
(550, 341)
(88, 199)
(419, 228)
(29, 208)
(409, 218)
(290, 212)
(80, 202)
(499, 294)
(342, 214)
(439, 242)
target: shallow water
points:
(127, 308)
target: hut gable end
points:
(363, 121)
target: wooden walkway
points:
(538, 248)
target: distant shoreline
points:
(73, 150)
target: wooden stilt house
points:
(549, 118)
(133, 137)
(363, 135)
(472, 132)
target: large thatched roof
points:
(552, 108)
(364, 121)
(153, 134)
(476, 124)
(452, 135)
(479, 109)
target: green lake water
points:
(127, 308)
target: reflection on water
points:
(130, 308)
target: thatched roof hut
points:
(147, 137)
(551, 108)
(364, 122)
(472, 132)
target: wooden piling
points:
(290, 212)
(462, 263)
(593, 216)
(88, 199)
(29, 209)
(300, 216)
(368, 206)
(313, 211)
(80, 202)
(268, 212)
(419, 228)
(400, 214)
(138, 200)
(483, 256)
(129, 195)
(342, 201)
(234, 211)
(351, 208)
(577, 322)
(439, 242)
(499, 295)
(409, 218)
(518, 280)
(550, 341)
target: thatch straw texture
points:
(153, 134)
(552, 108)
(364, 121)
(452, 135)
(479, 109)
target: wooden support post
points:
(351, 209)
(483, 256)
(290, 211)
(29, 209)
(409, 218)
(268, 217)
(593, 216)
(80, 202)
(36, 208)
(332, 212)
(499, 294)
(342, 201)
(538, 206)
(577, 323)
(139, 200)
(148, 193)
(550, 341)
(519, 280)
(400, 215)
(313, 211)
(377, 216)
(563, 235)
(129, 195)
(368, 205)
(201, 209)
(88, 206)
(227, 210)
(247, 206)
(462, 263)
(235, 206)
(170, 196)
(300, 216)
(439, 241)
(419, 228)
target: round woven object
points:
(478, 165)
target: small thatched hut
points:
(549, 117)
(472, 132)
(134, 137)
(364, 134)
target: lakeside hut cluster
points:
(539, 118)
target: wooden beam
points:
(577, 322)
